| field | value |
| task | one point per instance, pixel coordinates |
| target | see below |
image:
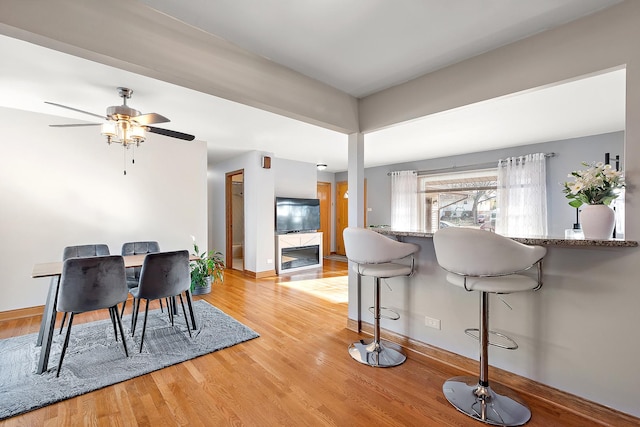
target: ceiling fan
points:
(126, 125)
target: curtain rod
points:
(465, 167)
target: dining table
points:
(47, 325)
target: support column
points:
(355, 180)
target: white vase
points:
(597, 221)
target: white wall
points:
(65, 186)
(295, 179)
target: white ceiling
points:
(365, 47)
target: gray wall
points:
(569, 154)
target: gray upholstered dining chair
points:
(163, 275)
(82, 251)
(137, 248)
(133, 273)
(379, 257)
(89, 284)
(477, 260)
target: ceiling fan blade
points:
(150, 119)
(75, 125)
(171, 133)
(75, 109)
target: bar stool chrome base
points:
(499, 406)
(380, 355)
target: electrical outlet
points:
(432, 323)
(269, 261)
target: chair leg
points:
(190, 304)
(376, 314)
(66, 343)
(483, 380)
(113, 322)
(144, 325)
(112, 315)
(359, 301)
(170, 308)
(473, 396)
(64, 318)
(134, 315)
(124, 304)
(375, 352)
(124, 342)
(185, 315)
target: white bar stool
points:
(377, 256)
(486, 262)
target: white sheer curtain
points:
(522, 196)
(404, 200)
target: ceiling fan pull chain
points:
(124, 160)
(133, 155)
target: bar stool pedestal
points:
(376, 256)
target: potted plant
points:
(593, 189)
(205, 270)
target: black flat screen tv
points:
(297, 215)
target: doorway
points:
(342, 213)
(324, 195)
(234, 201)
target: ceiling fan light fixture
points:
(137, 134)
(123, 132)
(109, 129)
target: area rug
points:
(95, 360)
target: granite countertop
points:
(543, 241)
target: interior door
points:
(234, 200)
(342, 213)
(324, 195)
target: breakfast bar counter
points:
(574, 334)
(542, 241)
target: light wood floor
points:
(298, 373)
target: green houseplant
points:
(205, 270)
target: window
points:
(458, 199)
